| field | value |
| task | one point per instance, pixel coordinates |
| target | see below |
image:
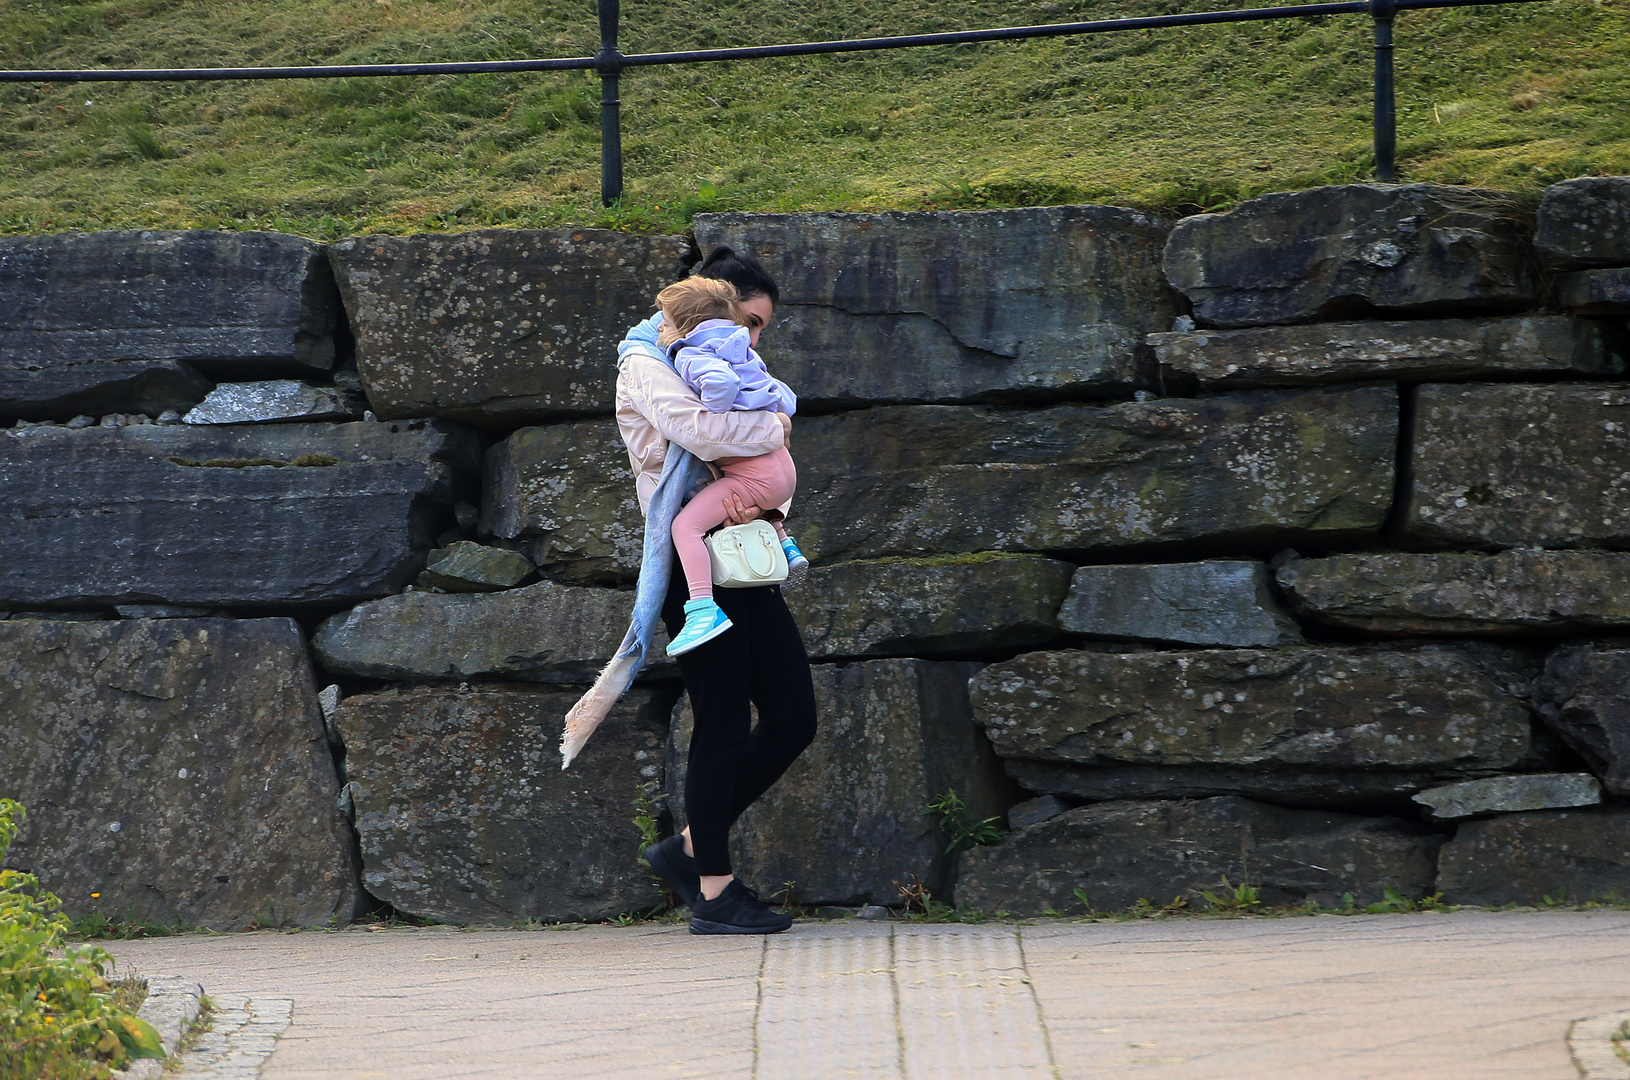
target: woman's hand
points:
(786, 429)
(737, 512)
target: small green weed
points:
(919, 905)
(1144, 908)
(958, 826)
(788, 899)
(1394, 901)
(99, 926)
(1238, 899)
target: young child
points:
(714, 357)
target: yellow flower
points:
(96, 896)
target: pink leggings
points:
(765, 481)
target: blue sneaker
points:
(704, 621)
(797, 565)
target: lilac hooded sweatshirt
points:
(718, 362)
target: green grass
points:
(1175, 120)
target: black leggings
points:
(761, 660)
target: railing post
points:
(1386, 119)
(609, 63)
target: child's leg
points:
(702, 513)
(771, 478)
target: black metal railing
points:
(610, 62)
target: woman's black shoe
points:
(737, 910)
(668, 858)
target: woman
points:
(759, 662)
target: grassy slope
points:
(1175, 120)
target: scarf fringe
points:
(594, 706)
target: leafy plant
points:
(1234, 899)
(958, 826)
(58, 1018)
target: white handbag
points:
(746, 555)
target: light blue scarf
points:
(681, 471)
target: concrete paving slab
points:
(1457, 996)
(820, 990)
(966, 1006)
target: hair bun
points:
(720, 254)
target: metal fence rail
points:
(610, 62)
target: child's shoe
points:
(704, 621)
(797, 565)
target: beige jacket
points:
(655, 407)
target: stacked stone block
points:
(1283, 546)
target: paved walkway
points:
(1464, 996)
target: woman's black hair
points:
(746, 273)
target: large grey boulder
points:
(1334, 708)
(1520, 466)
(31, 389)
(240, 515)
(1117, 853)
(1509, 794)
(1218, 602)
(847, 822)
(233, 303)
(1262, 468)
(1563, 855)
(1339, 789)
(1259, 468)
(273, 401)
(937, 604)
(947, 306)
(1585, 222)
(546, 632)
(1595, 292)
(566, 491)
(178, 768)
(1336, 252)
(1512, 592)
(1584, 696)
(465, 815)
(499, 325)
(1416, 349)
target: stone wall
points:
(1287, 545)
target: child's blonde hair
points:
(692, 302)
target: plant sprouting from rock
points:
(958, 825)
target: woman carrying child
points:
(756, 658)
(715, 357)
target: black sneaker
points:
(668, 858)
(737, 910)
